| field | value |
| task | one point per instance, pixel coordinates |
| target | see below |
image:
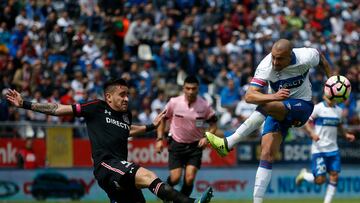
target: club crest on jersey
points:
(126, 118)
(107, 112)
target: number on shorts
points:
(320, 166)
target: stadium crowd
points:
(63, 51)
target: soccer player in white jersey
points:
(286, 71)
(325, 154)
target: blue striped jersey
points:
(326, 120)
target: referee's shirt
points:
(108, 130)
(188, 123)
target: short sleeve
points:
(339, 112)
(261, 75)
(312, 57)
(258, 82)
(169, 109)
(315, 113)
(86, 109)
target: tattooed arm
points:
(15, 99)
(52, 109)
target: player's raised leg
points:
(224, 145)
(245, 129)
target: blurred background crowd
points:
(64, 50)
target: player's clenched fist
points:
(282, 94)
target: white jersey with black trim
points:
(327, 120)
(294, 77)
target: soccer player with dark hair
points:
(109, 124)
(189, 116)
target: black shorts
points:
(182, 154)
(117, 179)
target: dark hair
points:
(191, 79)
(114, 82)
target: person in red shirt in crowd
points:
(67, 99)
(26, 158)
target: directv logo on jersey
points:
(327, 121)
(288, 83)
(293, 84)
(118, 123)
(332, 122)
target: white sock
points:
(250, 125)
(309, 177)
(330, 192)
(262, 180)
(258, 200)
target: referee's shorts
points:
(117, 179)
(183, 154)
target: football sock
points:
(309, 177)
(330, 192)
(167, 193)
(187, 189)
(262, 180)
(250, 125)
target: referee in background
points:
(189, 115)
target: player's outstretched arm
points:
(16, 99)
(324, 64)
(255, 96)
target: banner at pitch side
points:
(9, 147)
(59, 147)
(142, 151)
(82, 153)
(296, 152)
(228, 184)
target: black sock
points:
(187, 189)
(167, 193)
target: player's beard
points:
(277, 68)
(124, 106)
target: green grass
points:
(215, 201)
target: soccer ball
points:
(337, 88)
